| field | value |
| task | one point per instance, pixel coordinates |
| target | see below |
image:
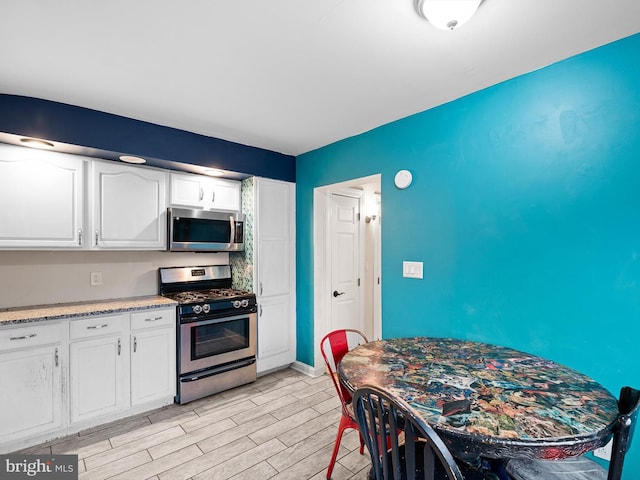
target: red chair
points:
(333, 347)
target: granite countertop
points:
(60, 311)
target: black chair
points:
(401, 444)
(583, 468)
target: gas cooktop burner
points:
(210, 295)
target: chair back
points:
(334, 346)
(628, 405)
(382, 419)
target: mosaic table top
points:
(487, 400)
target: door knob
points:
(337, 293)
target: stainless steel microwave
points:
(191, 230)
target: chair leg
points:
(344, 424)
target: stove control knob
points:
(197, 309)
(206, 308)
(236, 304)
(245, 303)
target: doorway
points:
(347, 259)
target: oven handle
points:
(216, 371)
(202, 320)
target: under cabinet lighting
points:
(132, 159)
(213, 172)
(36, 143)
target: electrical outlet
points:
(96, 279)
(604, 452)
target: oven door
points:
(207, 343)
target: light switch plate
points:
(412, 269)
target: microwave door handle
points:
(232, 238)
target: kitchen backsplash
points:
(242, 262)
(46, 277)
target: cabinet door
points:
(225, 194)
(274, 238)
(187, 190)
(31, 385)
(129, 207)
(98, 377)
(276, 333)
(153, 365)
(42, 197)
(199, 191)
(274, 279)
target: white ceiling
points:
(286, 75)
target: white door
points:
(345, 263)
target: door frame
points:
(322, 259)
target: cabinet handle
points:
(96, 238)
(119, 347)
(201, 193)
(135, 344)
(80, 236)
(24, 337)
(96, 327)
(213, 197)
(260, 311)
(260, 288)
(56, 357)
(152, 319)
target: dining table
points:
(488, 401)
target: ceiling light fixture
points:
(213, 172)
(447, 14)
(36, 143)
(132, 159)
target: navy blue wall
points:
(107, 136)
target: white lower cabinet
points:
(58, 378)
(276, 337)
(31, 386)
(98, 366)
(153, 355)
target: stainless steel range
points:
(217, 330)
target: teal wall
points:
(524, 208)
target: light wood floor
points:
(281, 427)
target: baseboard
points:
(308, 369)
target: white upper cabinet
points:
(129, 207)
(42, 197)
(199, 191)
(274, 236)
